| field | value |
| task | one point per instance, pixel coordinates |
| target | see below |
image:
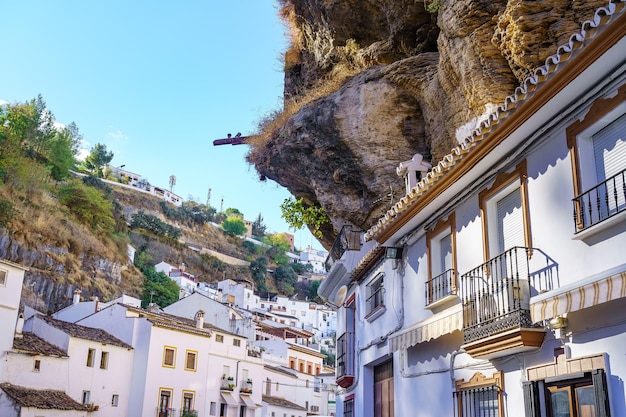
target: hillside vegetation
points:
(73, 232)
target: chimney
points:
(199, 317)
(19, 326)
(219, 295)
(409, 169)
(76, 298)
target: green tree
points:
(258, 270)
(88, 205)
(278, 246)
(298, 214)
(258, 227)
(158, 287)
(285, 278)
(97, 159)
(142, 220)
(313, 290)
(234, 226)
(233, 212)
(63, 149)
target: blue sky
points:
(157, 82)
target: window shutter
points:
(602, 398)
(510, 221)
(531, 399)
(609, 148)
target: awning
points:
(592, 291)
(437, 325)
(229, 399)
(248, 402)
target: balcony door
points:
(165, 403)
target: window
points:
(480, 396)
(237, 342)
(190, 362)
(169, 357)
(597, 146)
(504, 213)
(3, 278)
(581, 396)
(187, 404)
(86, 396)
(219, 338)
(348, 408)
(115, 400)
(213, 408)
(91, 353)
(37, 365)
(383, 389)
(375, 297)
(104, 360)
(345, 346)
(165, 402)
(441, 247)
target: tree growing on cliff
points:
(298, 214)
(234, 226)
(258, 269)
(97, 159)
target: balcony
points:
(441, 288)
(227, 383)
(349, 238)
(601, 202)
(496, 302)
(246, 386)
(345, 359)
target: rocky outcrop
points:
(424, 81)
(54, 273)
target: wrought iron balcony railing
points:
(345, 355)
(601, 202)
(349, 238)
(496, 295)
(441, 286)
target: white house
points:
(11, 279)
(87, 367)
(183, 365)
(498, 283)
(215, 312)
(185, 281)
(242, 291)
(315, 258)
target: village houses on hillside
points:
(198, 357)
(497, 284)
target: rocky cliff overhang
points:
(424, 82)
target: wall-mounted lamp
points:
(393, 253)
(558, 322)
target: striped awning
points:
(437, 325)
(593, 291)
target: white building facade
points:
(498, 284)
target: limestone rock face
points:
(424, 78)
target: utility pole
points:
(208, 198)
(222, 205)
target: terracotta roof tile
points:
(281, 402)
(42, 399)
(32, 343)
(83, 332)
